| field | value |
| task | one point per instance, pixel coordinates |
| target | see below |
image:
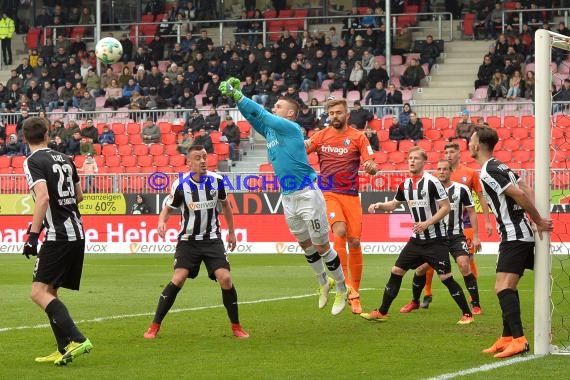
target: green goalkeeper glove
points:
(230, 88)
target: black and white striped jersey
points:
(57, 170)
(460, 199)
(512, 222)
(421, 195)
(198, 202)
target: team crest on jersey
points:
(455, 197)
(346, 142)
(332, 215)
(422, 194)
(213, 193)
(464, 179)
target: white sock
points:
(314, 260)
(332, 262)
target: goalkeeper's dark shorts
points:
(515, 257)
(191, 253)
(60, 263)
(435, 252)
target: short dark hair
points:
(452, 145)
(487, 137)
(35, 129)
(194, 148)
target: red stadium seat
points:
(441, 123)
(168, 138)
(5, 161)
(405, 145)
(427, 123)
(380, 157)
(145, 161)
(446, 134)
(266, 168)
(494, 121)
(510, 122)
(18, 161)
(161, 160)
(519, 133)
(375, 124)
(129, 161)
(504, 133)
(426, 145)
(383, 135)
(212, 163)
(510, 145)
(244, 129)
(172, 150)
(133, 128)
(177, 160)
(397, 157)
(140, 150)
(118, 128)
(389, 146)
(222, 150)
(135, 139)
(432, 134)
(156, 149)
(121, 139)
(125, 150)
(109, 150)
(112, 161)
(165, 127)
(527, 121)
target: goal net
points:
(552, 195)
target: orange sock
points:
(355, 266)
(340, 248)
(473, 266)
(429, 278)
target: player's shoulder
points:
(430, 177)
(214, 175)
(460, 186)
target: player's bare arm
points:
(78, 193)
(162, 220)
(444, 208)
(41, 197)
(229, 216)
(519, 194)
(473, 219)
(486, 213)
(384, 206)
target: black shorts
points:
(60, 263)
(458, 246)
(515, 256)
(190, 254)
(435, 252)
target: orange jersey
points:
(470, 178)
(340, 155)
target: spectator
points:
(404, 116)
(233, 136)
(195, 122)
(563, 95)
(340, 80)
(213, 94)
(89, 168)
(86, 147)
(58, 145)
(13, 146)
(359, 116)
(396, 131)
(92, 83)
(464, 128)
(377, 74)
(204, 140)
(58, 130)
(107, 136)
(497, 87)
(429, 52)
(356, 79)
(529, 85)
(90, 132)
(393, 96)
(186, 102)
(150, 133)
(413, 74)
(139, 207)
(515, 85)
(376, 97)
(127, 45)
(78, 94)
(273, 96)
(292, 93)
(414, 129)
(372, 137)
(306, 118)
(485, 73)
(49, 98)
(212, 120)
(113, 96)
(185, 141)
(86, 104)
(403, 41)
(136, 104)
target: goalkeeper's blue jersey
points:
(285, 146)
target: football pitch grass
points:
(290, 337)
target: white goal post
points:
(544, 42)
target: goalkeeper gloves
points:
(230, 88)
(31, 245)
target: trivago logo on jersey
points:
(334, 149)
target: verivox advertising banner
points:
(382, 233)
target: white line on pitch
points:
(486, 367)
(123, 316)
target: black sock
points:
(165, 301)
(471, 285)
(390, 292)
(418, 284)
(229, 298)
(511, 309)
(60, 338)
(457, 295)
(59, 316)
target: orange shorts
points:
(468, 232)
(345, 208)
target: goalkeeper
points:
(303, 202)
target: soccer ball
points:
(109, 50)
